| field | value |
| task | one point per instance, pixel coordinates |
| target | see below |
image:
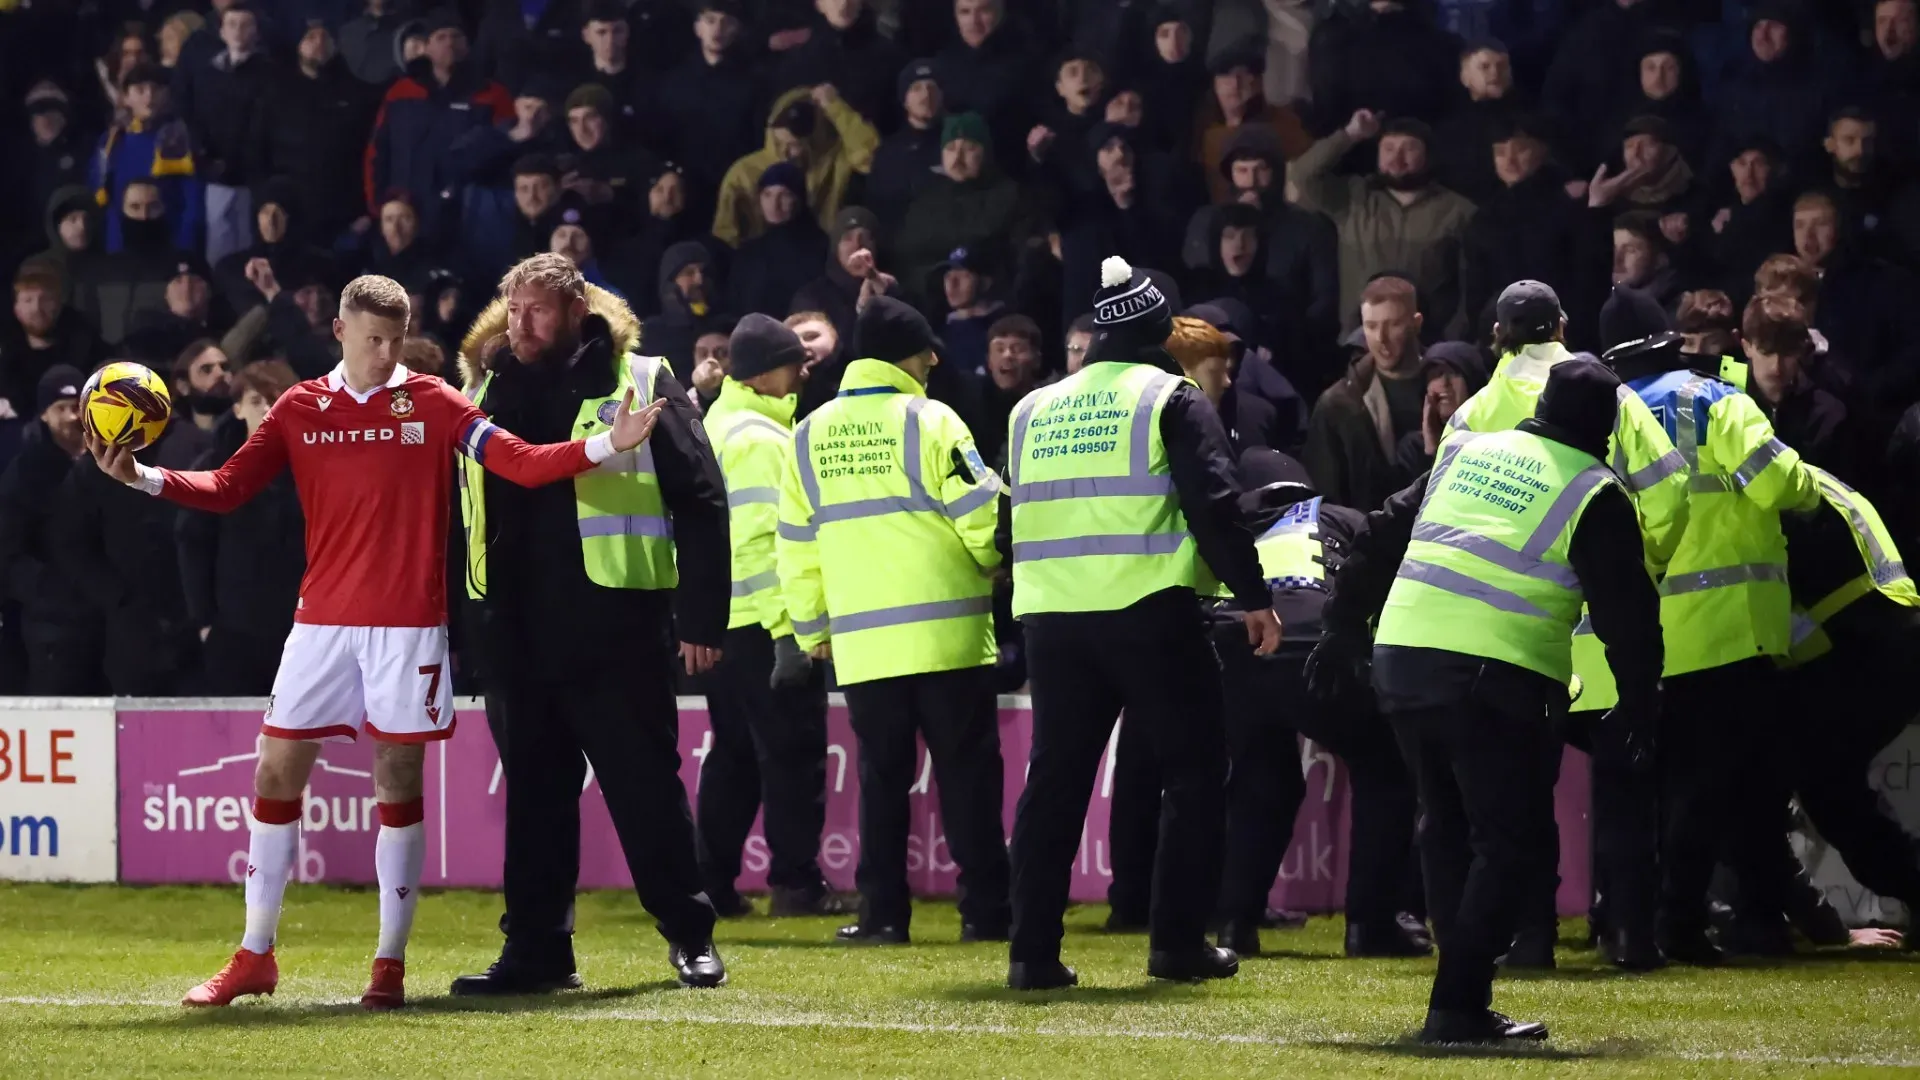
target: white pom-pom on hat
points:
(1114, 272)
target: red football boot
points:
(247, 973)
(388, 988)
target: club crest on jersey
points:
(402, 403)
(607, 411)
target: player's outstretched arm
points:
(220, 490)
(532, 465)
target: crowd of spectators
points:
(1340, 188)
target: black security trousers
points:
(769, 751)
(624, 721)
(1710, 754)
(1154, 661)
(956, 713)
(1486, 830)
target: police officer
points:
(1496, 550)
(1724, 607)
(1122, 484)
(1303, 541)
(885, 555)
(766, 699)
(550, 570)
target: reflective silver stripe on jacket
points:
(810, 626)
(626, 525)
(1459, 584)
(1138, 480)
(1495, 552)
(1885, 569)
(766, 579)
(1758, 461)
(1721, 577)
(910, 613)
(752, 496)
(1074, 546)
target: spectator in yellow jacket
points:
(818, 132)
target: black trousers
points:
(1133, 823)
(1486, 825)
(240, 663)
(769, 749)
(549, 726)
(1154, 661)
(956, 713)
(67, 668)
(1267, 705)
(1710, 762)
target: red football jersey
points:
(374, 478)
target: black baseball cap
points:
(1530, 306)
(61, 382)
(890, 331)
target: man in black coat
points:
(1387, 56)
(517, 40)
(1529, 229)
(218, 97)
(62, 632)
(41, 332)
(715, 100)
(311, 133)
(561, 692)
(910, 156)
(845, 49)
(690, 294)
(987, 70)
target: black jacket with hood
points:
(541, 609)
(673, 332)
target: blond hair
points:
(547, 270)
(1195, 341)
(794, 320)
(371, 294)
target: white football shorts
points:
(395, 681)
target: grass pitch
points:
(89, 977)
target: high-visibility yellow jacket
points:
(887, 518)
(753, 441)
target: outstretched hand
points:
(114, 459)
(632, 426)
(1263, 631)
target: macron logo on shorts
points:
(413, 433)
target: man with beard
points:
(1873, 203)
(62, 633)
(1397, 219)
(663, 220)
(43, 332)
(203, 393)
(561, 691)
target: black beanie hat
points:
(1631, 315)
(762, 343)
(1581, 401)
(1130, 314)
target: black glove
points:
(791, 664)
(1339, 667)
(1631, 730)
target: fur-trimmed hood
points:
(487, 340)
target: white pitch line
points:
(837, 1023)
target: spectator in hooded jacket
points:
(715, 100)
(966, 286)
(851, 272)
(439, 99)
(817, 132)
(1237, 102)
(1171, 75)
(1398, 219)
(1055, 145)
(153, 146)
(689, 305)
(1593, 70)
(311, 133)
(1643, 257)
(1776, 90)
(987, 69)
(973, 205)
(219, 98)
(1452, 372)
(1357, 424)
(49, 155)
(61, 631)
(392, 246)
(775, 265)
(1460, 159)
(279, 237)
(114, 291)
(845, 48)
(1130, 215)
(72, 224)
(1529, 229)
(1387, 57)
(1237, 267)
(240, 572)
(907, 160)
(633, 262)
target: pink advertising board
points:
(185, 776)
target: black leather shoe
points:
(1051, 976)
(1241, 936)
(985, 931)
(1632, 950)
(1477, 1026)
(698, 966)
(504, 979)
(1193, 965)
(787, 903)
(862, 933)
(1375, 940)
(730, 906)
(1119, 922)
(1693, 948)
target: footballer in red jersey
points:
(371, 447)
